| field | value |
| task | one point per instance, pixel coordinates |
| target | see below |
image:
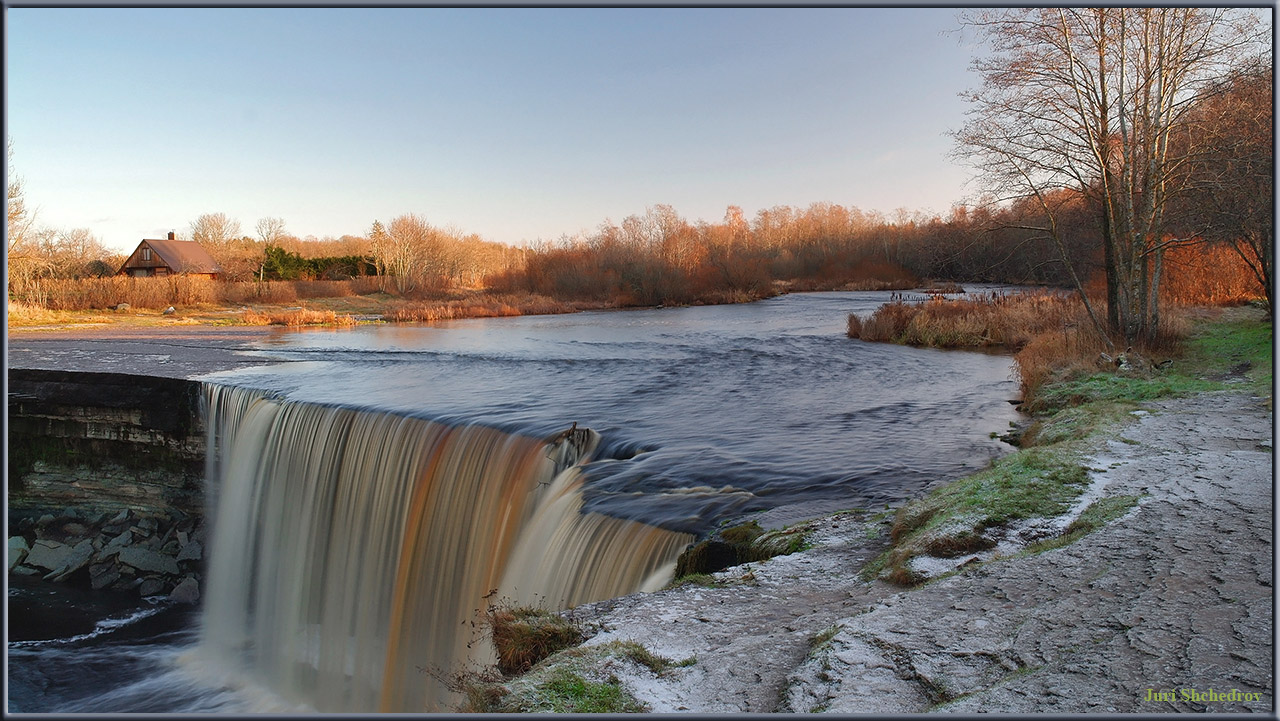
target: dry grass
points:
(101, 293)
(523, 636)
(1050, 332)
(480, 305)
(272, 291)
(992, 320)
(297, 317)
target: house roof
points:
(184, 256)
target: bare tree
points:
(73, 251)
(214, 229)
(1231, 176)
(404, 250)
(270, 230)
(25, 256)
(1086, 99)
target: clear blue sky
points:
(516, 124)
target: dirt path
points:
(1148, 614)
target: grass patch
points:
(574, 680)
(820, 639)
(1010, 320)
(568, 692)
(650, 660)
(953, 520)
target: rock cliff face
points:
(106, 481)
(103, 443)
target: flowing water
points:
(373, 490)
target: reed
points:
(1009, 320)
(484, 305)
(297, 317)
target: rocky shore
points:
(1168, 608)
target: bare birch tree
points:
(1086, 99)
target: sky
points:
(517, 124)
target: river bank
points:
(1151, 613)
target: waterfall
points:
(354, 552)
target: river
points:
(707, 414)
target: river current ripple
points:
(706, 412)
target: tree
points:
(270, 230)
(25, 245)
(1230, 178)
(403, 249)
(1086, 100)
(214, 230)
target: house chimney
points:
(171, 235)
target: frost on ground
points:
(1175, 597)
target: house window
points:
(146, 254)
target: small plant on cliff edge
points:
(523, 636)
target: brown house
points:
(170, 257)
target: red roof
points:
(181, 256)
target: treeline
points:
(661, 257)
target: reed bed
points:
(480, 306)
(296, 317)
(99, 293)
(1049, 333)
(1009, 320)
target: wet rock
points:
(44, 520)
(707, 556)
(151, 586)
(103, 575)
(49, 555)
(188, 591)
(148, 560)
(113, 546)
(18, 550)
(76, 559)
(191, 552)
